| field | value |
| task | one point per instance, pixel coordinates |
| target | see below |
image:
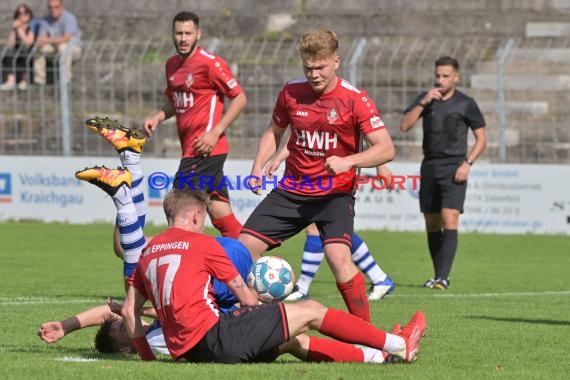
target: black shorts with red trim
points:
(283, 214)
(203, 173)
(246, 335)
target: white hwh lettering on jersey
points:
(183, 100)
(315, 139)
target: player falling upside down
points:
(124, 185)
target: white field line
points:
(448, 294)
(15, 301)
(76, 359)
(493, 295)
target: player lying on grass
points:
(174, 272)
(112, 336)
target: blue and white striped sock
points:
(132, 237)
(313, 254)
(365, 261)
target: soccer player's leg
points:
(116, 183)
(430, 206)
(382, 284)
(129, 142)
(132, 161)
(223, 217)
(313, 255)
(317, 349)
(349, 280)
(448, 249)
(220, 209)
(334, 218)
(350, 329)
(452, 200)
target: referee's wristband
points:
(143, 348)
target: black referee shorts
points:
(438, 188)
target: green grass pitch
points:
(506, 314)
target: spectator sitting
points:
(20, 42)
(58, 33)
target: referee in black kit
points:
(447, 115)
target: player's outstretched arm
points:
(52, 332)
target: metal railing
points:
(124, 79)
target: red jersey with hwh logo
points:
(175, 271)
(322, 125)
(196, 87)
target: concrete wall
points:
(107, 18)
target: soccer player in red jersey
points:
(327, 117)
(197, 83)
(175, 271)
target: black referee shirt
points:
(446, 124)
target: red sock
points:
(329, 350)
(354, 295)
(351, 329)
(228, 226)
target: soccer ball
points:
(272, 278)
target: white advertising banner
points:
(500, 198)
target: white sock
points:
(372, 355)
(132, 161)
(394, 344)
